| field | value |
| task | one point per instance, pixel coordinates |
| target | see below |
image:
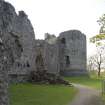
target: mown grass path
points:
(87, 96)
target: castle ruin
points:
(62, 55)
(21, 53)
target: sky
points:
(56, 16)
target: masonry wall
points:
(49, 55)
(40, 55)
(52, 60)
(24, 36)
(72, 53)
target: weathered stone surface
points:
(7, 16)
(52, 57)
(3, 76)
(17, 28)
(65, 55)
(51, 39)
(72, 47)
(23, 31)
(6, 54)
(49, 52)
(16, 46)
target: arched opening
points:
(39, 63)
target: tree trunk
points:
(99, 71)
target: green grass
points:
(30, 94)
(91, 82)
(104, 97)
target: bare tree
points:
(99, 59)
(91, 65)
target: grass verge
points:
(92, 82)
(30, 94)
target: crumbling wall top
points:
(50, 39)
(22, 14)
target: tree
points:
(101, 22)
(98, 59)
(99, 41)
(91, 65)
(101, 36)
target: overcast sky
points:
(55, 16)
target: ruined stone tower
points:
(72, 54)
(48, 50)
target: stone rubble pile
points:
(46, 78)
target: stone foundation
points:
(13, 78)
(74, 73)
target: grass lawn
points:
(30, 94)
(92, 82)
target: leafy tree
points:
(101, 22)
(97, 39)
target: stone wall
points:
(9, 47)
(24, 36)
(6, 54)
(65, 54)
(40, 55)
(48, 55)
(72, 53)
(52, 58)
